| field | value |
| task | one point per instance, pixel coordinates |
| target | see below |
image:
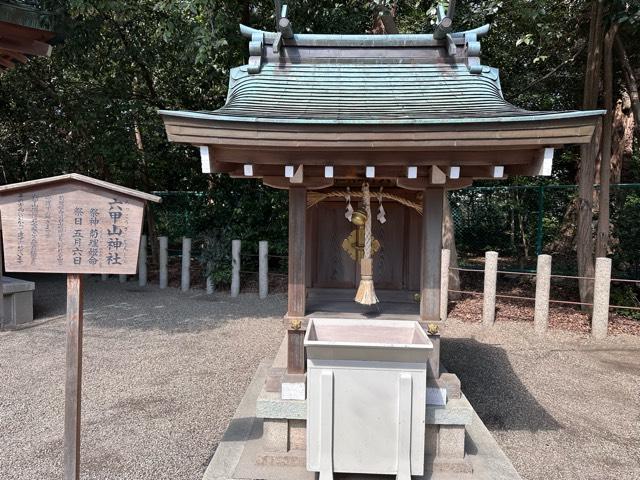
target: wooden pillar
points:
(433, 202)
(296, 288)
(73, 378)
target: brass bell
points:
(359, 218)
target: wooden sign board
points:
(71, 224)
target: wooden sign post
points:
(75, 225)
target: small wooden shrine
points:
(25, 31)
(374, 128)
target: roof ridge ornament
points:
(362, 40)
(255, 52)
(473, 49)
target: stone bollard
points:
(235, 268)
(601, 288)
(122, 278)
(543, 287)
(185, 281)
(142, 262)
(164, 258)
(210, 286)
(263, 268)
(489, 296)
(104, 277)
(444, 283)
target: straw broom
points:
(366, 294)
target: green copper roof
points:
(380, 93)
(26, 13)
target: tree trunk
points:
(602, 236)
(588, 154)
(629, 79)
(449, 241)
(151, 224)
(623, 128)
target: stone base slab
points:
(241, 448)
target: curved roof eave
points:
(203, 115)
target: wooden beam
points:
(6, 63)
(458, 183)
(420, 183)
(310, 183)
(298, 176)
(443, 27)
(437, 176)
(388, 21)
(73, 383)
(285, 27)
(433, 203)
(378, 158)
(29, 47)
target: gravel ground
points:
(164, 372)
(561, 407)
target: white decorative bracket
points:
(205, 160)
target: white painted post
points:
(444, 283)
(235, 268)
(185, 282)
(142, 262)
(210, 286)
(164, 258)
(263, 268)
(122, 278)
(104, 277)
(490, 280)
(543, 287)
(601, 290)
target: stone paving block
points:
(275, 435)
(431, 440)
(451, 441)
(274, 379)
(451, 382)
(294, 387)
(297, 434)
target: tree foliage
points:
(122, 60)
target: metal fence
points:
(522, 222)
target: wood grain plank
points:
(73, 377)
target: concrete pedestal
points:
(243, 454)
(18, 301)
(367, 389)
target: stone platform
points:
(18, 301)
(240, 454)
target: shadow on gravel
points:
(115, 305)
(493, 388)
